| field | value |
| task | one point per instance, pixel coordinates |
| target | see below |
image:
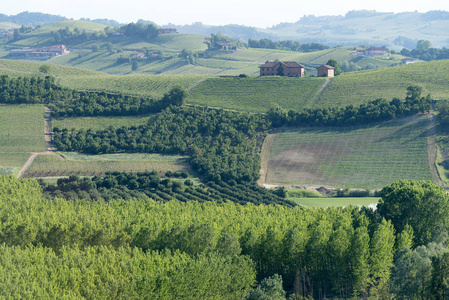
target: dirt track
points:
(47, 138)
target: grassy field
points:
(256, 94)
(369, 156)
(27, 68)
(99, 123)
(141, 85)
(21, 132)
(360, 87)
(90, 165)
(337, 202)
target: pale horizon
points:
(261, 13)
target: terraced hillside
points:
(358, 156)
(360, 87)
(257, 94)
(154, 86)
(31, 68)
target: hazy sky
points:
(258, 13)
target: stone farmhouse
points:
(325, 71)
(286, 68)
(43, 52)
(375, 51)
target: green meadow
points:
(21, 132)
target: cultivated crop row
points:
(139, 85)
(256, 94)
(360, 156)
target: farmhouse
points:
(375, 51)
(325, 71)
(137, 55)
(43, 52)
(408, 60)
(167, 30)
(286, 68)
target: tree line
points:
(145, 185)
(222, 145)
(71, 103)
(373, 111)
(286, 45)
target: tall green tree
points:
(381, 259)
(440, 276)
(333, 63)
(421, 204)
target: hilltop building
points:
(43, 52)
(286, 68)
(325, 71)
(375, 51)
(137, 55)
(167, 30)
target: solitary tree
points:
(281, 70)
(135, 65)
(44, 69)
(333, 63)
(423, 45)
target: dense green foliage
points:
(116, 185)
(377, 110)
(427, 54)
(65, 102)
(141, 30)
(222, 145)
(286, 45)
(321, 253)
(421, 204)
(102, 272)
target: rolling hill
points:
(113, 54)
(258, 94)
(358, 156)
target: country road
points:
(27, 164)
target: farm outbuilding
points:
(286, 68)
(325, 71)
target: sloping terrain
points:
(357, 156)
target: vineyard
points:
(360, 87)
(139, 85)
(97, 165)
(21, 132)
(357, 156)
(256, 94)
(21, 68)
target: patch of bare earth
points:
(265, 156)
